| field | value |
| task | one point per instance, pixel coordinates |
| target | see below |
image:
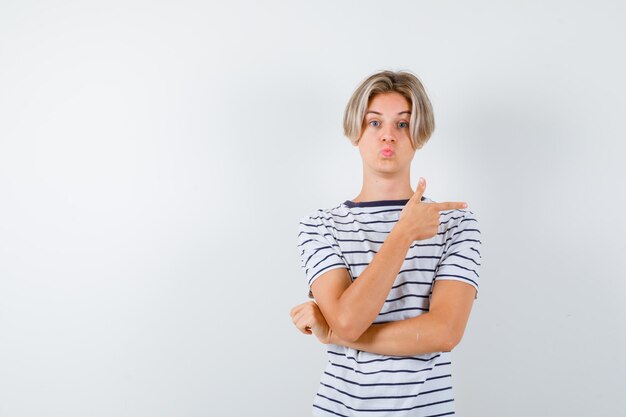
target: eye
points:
(402, 125)
(374, 123)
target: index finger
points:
(450, 206)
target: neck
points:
(377, 187)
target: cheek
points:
(410, 154)
(365, 147)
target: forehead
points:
(391, 102)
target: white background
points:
(155, 158)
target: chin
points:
(388, 170)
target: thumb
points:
(419, 191)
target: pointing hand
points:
(421, 220)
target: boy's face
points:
(385, 142)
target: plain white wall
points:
(155, 158)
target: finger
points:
(304, 321)
(303, 325)
(304, 329)
(297, 308)
(294, 311)
(297, 317)
(450, 206)
(419, 191)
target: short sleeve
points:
(319, 251)
(461, 256)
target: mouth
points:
(387, 152)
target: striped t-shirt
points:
(359, 383)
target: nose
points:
(387, 133)
(388, 137)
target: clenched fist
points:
(308, 318)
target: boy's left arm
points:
(438, 330)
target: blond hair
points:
(422, 121)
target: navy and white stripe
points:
(358, 383)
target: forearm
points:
(361, 302)
(419, 335)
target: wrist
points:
(400, 233)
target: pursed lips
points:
(387, 151)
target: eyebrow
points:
(380, 114)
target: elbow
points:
(447, 345)
(450, 340)
(347, 330)
(352, 336)
(347, 336)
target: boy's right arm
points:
(350, 308)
